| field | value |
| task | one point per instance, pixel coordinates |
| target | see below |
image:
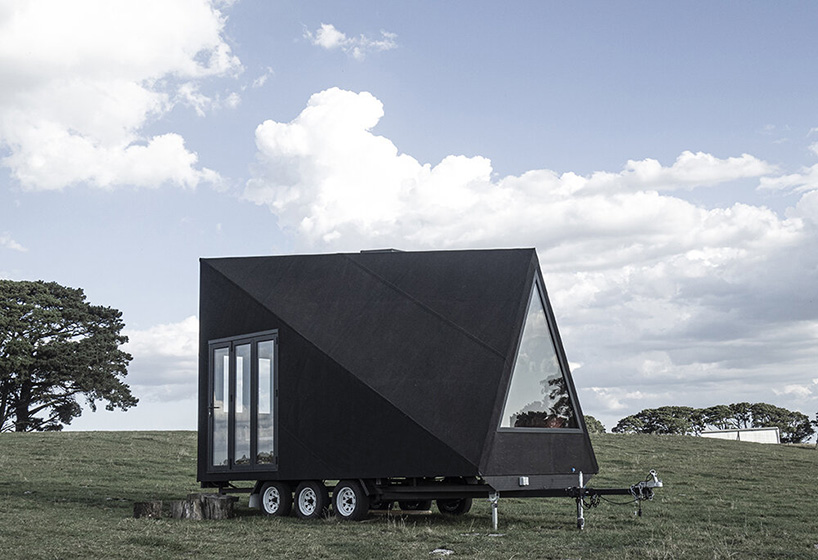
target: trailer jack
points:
(590, 497)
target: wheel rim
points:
(307, 501)
(346, 501)
(271, 500)
(451, 505)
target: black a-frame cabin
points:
(405, 376)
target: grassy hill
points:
(71, 495)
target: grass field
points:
(71, 495)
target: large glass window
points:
(538, 393)
(243, 401)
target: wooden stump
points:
(204, 506)
(186, 509)
(218, 506)
(152, 510)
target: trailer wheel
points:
(455, 506)
(311, 500)
(276, 498)
(350, 501)
(415, 505)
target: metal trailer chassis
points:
(353, 499)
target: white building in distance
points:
(757, 435)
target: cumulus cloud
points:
(692, 170)
(165, 359)
(330, 179)
(80, 80)
(330, 38)
(805, 180)
(662, 301)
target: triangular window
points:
(538, 394)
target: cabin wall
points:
(330, 424)
(521, 453)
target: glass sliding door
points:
(266, 392)
(241, 423)
(219, 403)
(243, 402)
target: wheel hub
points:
(306, 501)
(272, 500)
(346, 501)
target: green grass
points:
(71, 495)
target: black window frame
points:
(253, 339)
(561, 360)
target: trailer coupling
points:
(587, 497)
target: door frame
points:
(230, 343)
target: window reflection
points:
(242, 404)
(241, 447)
(538, 396)
(220, 402)
(264, 421)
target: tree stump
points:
(186, 509)
(204, 506)
(219, 506)
(152, 510)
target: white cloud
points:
(661, 300)
(165, 359)
(80, 80)
(693, 170)
(261, 80)
(328, 177)
(800, 391)
(804, 181)
(330, 38)
(7, 242)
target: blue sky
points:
(662, 158)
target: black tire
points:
(311, 500)
(349, 501)
(276, 499)
(380, 506)
(415, 505)
(455, 506)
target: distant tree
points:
(718, 417)
(54, 348)
(629, 425)
(741, 414)
(794, 426)
(662, 420)
(672, 420)
(594, 426)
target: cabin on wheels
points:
(382, 377)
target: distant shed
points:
(757, 435)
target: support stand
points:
(580, 512)
(494, 498)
